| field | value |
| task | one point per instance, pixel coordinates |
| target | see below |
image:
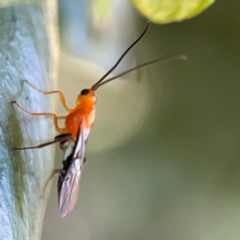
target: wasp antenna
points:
(96, 85)
(158, 60)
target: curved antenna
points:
(158, 60)
(95, 86)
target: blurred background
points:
(163, 155)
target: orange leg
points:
(61, 95)
(55, 171)
(55, 117)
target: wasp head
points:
(87, 96)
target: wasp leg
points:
(84, 160)
(63, 137)
(55, 117)
(61, 94)
(55, 171)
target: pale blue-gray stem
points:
(28, 50)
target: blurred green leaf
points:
(101, 10)
(4, 3)
(165, 11)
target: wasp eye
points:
(84, 92)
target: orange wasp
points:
(74, 135)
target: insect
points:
(74, 135)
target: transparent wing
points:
(68, 183)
